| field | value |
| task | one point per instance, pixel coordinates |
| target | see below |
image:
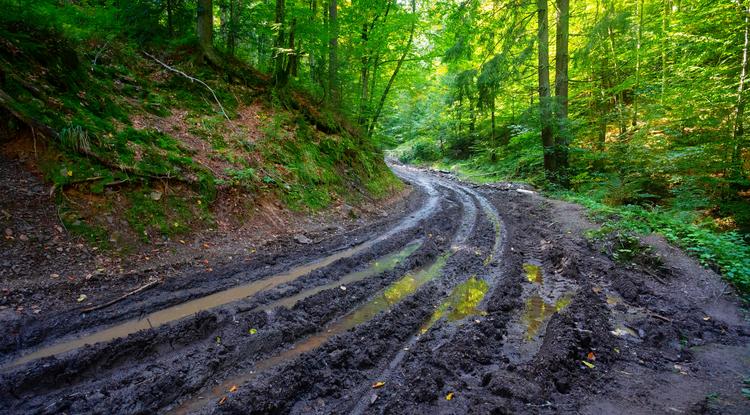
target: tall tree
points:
(280, 77)
(205, 30)
(333, 45)
(739, 112)
(545, 111)
(561, 88)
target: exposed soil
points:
(521, 314)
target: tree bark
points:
(333, 45)
(561, 87)
(280, 77)
(545, 113)
(636, 92)
(739, 112)
(170, 24)
(205, 29)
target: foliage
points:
(727, 252)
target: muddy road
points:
(480, 299)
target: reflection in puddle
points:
(392, 294)
(533, 273)
(537, 311)
(461, 303)
(220, 298)
(379, 266)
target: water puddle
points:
(211, 301)
(534, 273)
(537, 311)
(380, 265)
(390, 296)
(461, 303)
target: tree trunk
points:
(364, 77)
(170, 23)
(291, 66)
(739, 112)
(665, 45)
(636, 92)
(545, 113)
(561, 87)
(333, 45)
(205, 29)
(280, 77)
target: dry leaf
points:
(449, 396)
(378, 384)
(591, 356)
(233, 388)
(588, 365)
(222, 400)
(82, 298)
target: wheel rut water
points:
(182, 310)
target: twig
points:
(99, 52)
(660, 317)
(118, 299)
(192, 79)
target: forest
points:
(371, 206)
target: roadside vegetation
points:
(639, 116)
(134, 116)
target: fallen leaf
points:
(597, 290)
(591, 356)
(252, 331)
(343, 288)
(588, 365)
(222, 400)
(218, 339)
(82, 298)
(233, 388)
(70, 173)
(378, 384)
(449, 396)
(706, 318)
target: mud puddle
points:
(462, 302)
(378, 266)
(211, 301)
(389, 297)
(544, 295)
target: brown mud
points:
(481, 299)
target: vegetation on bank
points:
(93, 91)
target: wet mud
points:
(482, 299)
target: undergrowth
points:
(74, 69)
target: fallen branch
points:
(118, 299)
(192, 79)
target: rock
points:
(155, 195)
(302, 239)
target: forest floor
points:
(454, 298)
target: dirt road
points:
(482, 299)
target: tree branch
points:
(192, 79)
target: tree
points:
(545, 111)
(739, 112)
(333, 45)
(205, 30)
(280, 75)
(561, 89)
